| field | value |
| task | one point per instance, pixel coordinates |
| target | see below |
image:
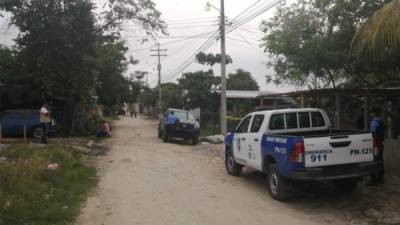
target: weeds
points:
(32, 194)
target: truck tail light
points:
(376, 146)
(297, 155)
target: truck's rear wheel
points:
(278, 186)
(165, 136)
(347, 185)
(231, 166)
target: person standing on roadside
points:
(45, 120)
(171, 122)
(377, 130)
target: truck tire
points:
(37, 132)
(165, 137)
(347, 185)
(195, 140)
(278, 186)
(231, 166)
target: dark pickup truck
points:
(187, 126)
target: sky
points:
(189, 18)
(189, 27)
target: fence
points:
(392, 155)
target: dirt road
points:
(144, 181)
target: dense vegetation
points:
(68, 52)
(30, 193)
(310, 41)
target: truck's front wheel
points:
(231, 166)
(278, 186)
(347, 185)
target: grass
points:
(30, 194)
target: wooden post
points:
(1, 134)
(338, 111)
(302, 100)
(25, 134)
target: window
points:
(244, 125)
(277, 122)
(291, 120)
(182, 115)
(257, 122)
(317, 119)
(304, 120)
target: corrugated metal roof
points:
(248, 94)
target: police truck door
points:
(240, 140)
(254, 138)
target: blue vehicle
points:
(13, 121)
(299, 145)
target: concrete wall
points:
(392, 155)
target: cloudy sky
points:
(188, 18)
(190, 27)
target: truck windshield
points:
(182, 115)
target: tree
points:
(200, 88)
(211, 59)
(148, 97)
(241, 80)
(380, 35)
(309, 42)
(112, 88)
(171, 96)
(63, 51)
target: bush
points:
(32, 194)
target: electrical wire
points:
(190, 60)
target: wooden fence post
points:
(1, 133)
(25, 134)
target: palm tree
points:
(380, 34)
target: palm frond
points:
(380, 34)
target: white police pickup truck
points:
(299, 145)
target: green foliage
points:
(31, 194)
(67, 50)
(149, 96)
(310, 41)
(241, 81)
(112, 87)
(172, 96)
(211, 59)
(201, 92)
(380, 35)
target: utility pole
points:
(223, 70)
(159, 51)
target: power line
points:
(184, 38)
(192, 19)
(258, 12)
(190, 60)
(247, 9)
